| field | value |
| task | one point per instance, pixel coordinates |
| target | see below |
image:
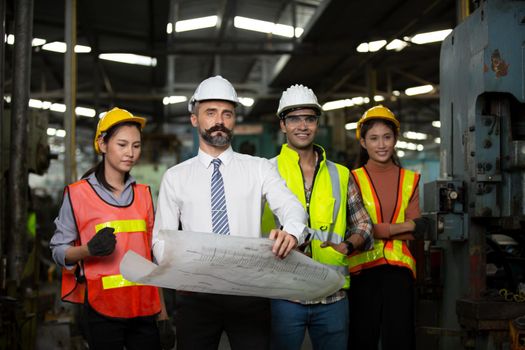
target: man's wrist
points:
(349, 247)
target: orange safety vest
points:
(393, 251)
(107, 290)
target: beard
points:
(219, 139)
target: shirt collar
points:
(94, 181)
(206, 159)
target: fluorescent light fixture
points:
(168, 100)
(371, 46)
(246, 101)
(363, 47)
(129, 59)
(366, 99)
(436, 124)
(358, 100)
(437, 140)
(328, 106)
(169, 28)
(378, 98)
(38, 42)
(396, 93)
(420, 147)
(419, 90)
(61, 133)
(35, 103)
(396, 45)
(266, 27)
(430, 37)
(101, 115)
(58, 107)
(196, 23)
(7, 98)
(85, 112)
(351, 126)
(374, 46)
(415, 135)
(400, 153)
(407, 145)
(10, 39)
(61, 47)
(51, 131)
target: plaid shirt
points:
(358, 222)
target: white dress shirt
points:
(248, 181)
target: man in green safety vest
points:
(338, 224)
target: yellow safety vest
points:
(394, 251)
(327, 208)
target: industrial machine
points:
(477, 205)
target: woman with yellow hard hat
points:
(104, 215)
(384, 276)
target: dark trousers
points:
(116, 333)
(201, 318)
(381, 301)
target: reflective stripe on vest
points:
(392, 252)
(117, 281)
(123, 226)
(327, 207)
(107, 291)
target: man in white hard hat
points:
(222, 191)
(338, 224)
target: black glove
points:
(103, 243)
(167, 335)
(422, 226)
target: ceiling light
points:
(10, 39)
(196, 23)
(419, 90)
(437, 140)
(351, 126)
(378, 98)
(363, 47)
(58, 107)
(61, 47)
(51, 131)
(328, 106)
(396, 93)
(374, 46)
(415, 135)
(407, 145)
(168, 100)
(85, 112)
(397, 45)
(430, 37)
(169, 28)
(129, 59)
(358, 100)
(266, 27)
(61, 133)
(436, 124)
(246, 101)
(420, 147)
(400, 153)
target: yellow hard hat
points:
(376, 112)
(114, 117)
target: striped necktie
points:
(219, 215)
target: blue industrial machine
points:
(477, 205)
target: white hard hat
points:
(295, 97)
(214, 88)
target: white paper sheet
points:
(211, 263)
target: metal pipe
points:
(70, 90)
(18, 173)
(462, 10)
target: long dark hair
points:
(100, 167)
(363, 153)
